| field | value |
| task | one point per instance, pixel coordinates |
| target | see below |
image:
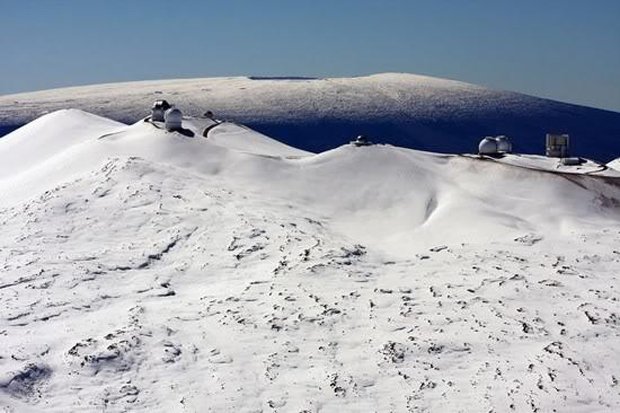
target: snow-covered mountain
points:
(412, 111)
(147, 270)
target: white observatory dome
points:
(174, 119)
(487, 146)
(503, 144)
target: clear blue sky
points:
(567, 50)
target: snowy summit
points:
(204, 266)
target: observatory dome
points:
(503, 144)
(488, 146)
(158, 109)
(174, 119)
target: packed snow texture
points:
(143, 270)
(615, 164)
(407, 110)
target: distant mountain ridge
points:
(408, 110)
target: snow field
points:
(142, 270)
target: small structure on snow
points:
(361, 140)
(174, 119)
(574, 161)
(503, 144)
(556, 145)
(495, 145)
(488, 146)
(209, 115)
(158, 110)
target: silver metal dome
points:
(503, 144)
(488, 146)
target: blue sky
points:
(566, 50)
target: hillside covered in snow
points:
(148, 270)
(411, 111)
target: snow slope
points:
(145, 270)
(413, 111)
(46, 137)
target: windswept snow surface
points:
(413, 111)
(615, 164)
(144, 270)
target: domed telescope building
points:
(503, 144)
(159, 109)
(361, 140)
(495, 145)
(174, 119)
